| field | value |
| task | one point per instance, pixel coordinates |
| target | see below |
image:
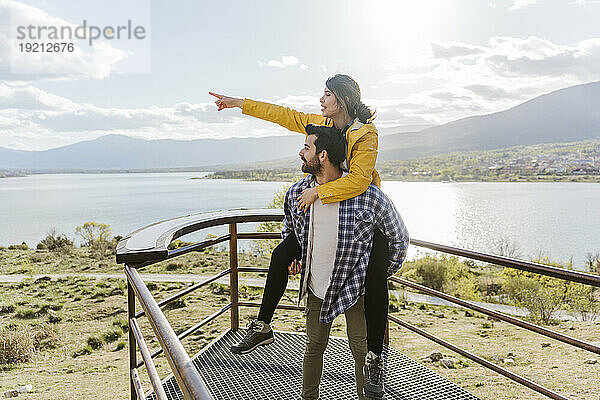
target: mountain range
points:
(566, 115)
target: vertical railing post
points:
(386, 337)
(132, 346)
(233, 277)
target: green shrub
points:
(24, 312)
(179, 303)
(428, 271)
(176, 244)
(45, 337)
(56, 242)
(464, 287)
(94, 342)
(54, 318)
(22, 246)
(122, 324)
(96, 236)
(7, 308)
(100, 293)
(50, 306)
(113, 244)
(17, 344)
(84, 351)
(174, 266)
(103, 284)
(592, 263)
(583, 300)
(112, 335)
(120, 346)
(445, 273)
(541, 295)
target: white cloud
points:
(85, 62)
(304, 103)
(286, 61)
(489, 91)
(584, 2)
(460, 79)
(520, 4)
(33, 119)
(453, 49)
(31, 98)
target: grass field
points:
(74, 331)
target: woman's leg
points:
(277, 278)
(376, 310)
(376, 293)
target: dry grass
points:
(90, 322)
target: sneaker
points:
(373, 370)
(257, 334)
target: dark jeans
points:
(376, 293)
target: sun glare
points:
(394, 26)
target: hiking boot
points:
(373, 370)
(257, 334)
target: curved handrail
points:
(150, 243)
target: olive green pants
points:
(317, 336)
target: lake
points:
(559, 220)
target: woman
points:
(341, 106)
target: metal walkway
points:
(275, 372)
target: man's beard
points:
(313, 167)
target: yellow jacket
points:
(362, 148)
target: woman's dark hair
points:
(329, 139)
(347, 93)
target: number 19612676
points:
(46, 47)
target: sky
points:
(419, 62)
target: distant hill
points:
(566, 115)
(119, 151)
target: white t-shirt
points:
(323, 240)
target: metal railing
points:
(150, 245)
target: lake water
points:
(560, 220)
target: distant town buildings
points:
(562, 164)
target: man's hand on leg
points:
(295, 267)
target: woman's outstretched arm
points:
(287, 117)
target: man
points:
(335, 241)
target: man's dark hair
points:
(329, 139)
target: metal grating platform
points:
(275, 372)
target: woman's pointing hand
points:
(226, 102)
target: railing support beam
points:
(233, 277)
(132, 346)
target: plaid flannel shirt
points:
(358, 218)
